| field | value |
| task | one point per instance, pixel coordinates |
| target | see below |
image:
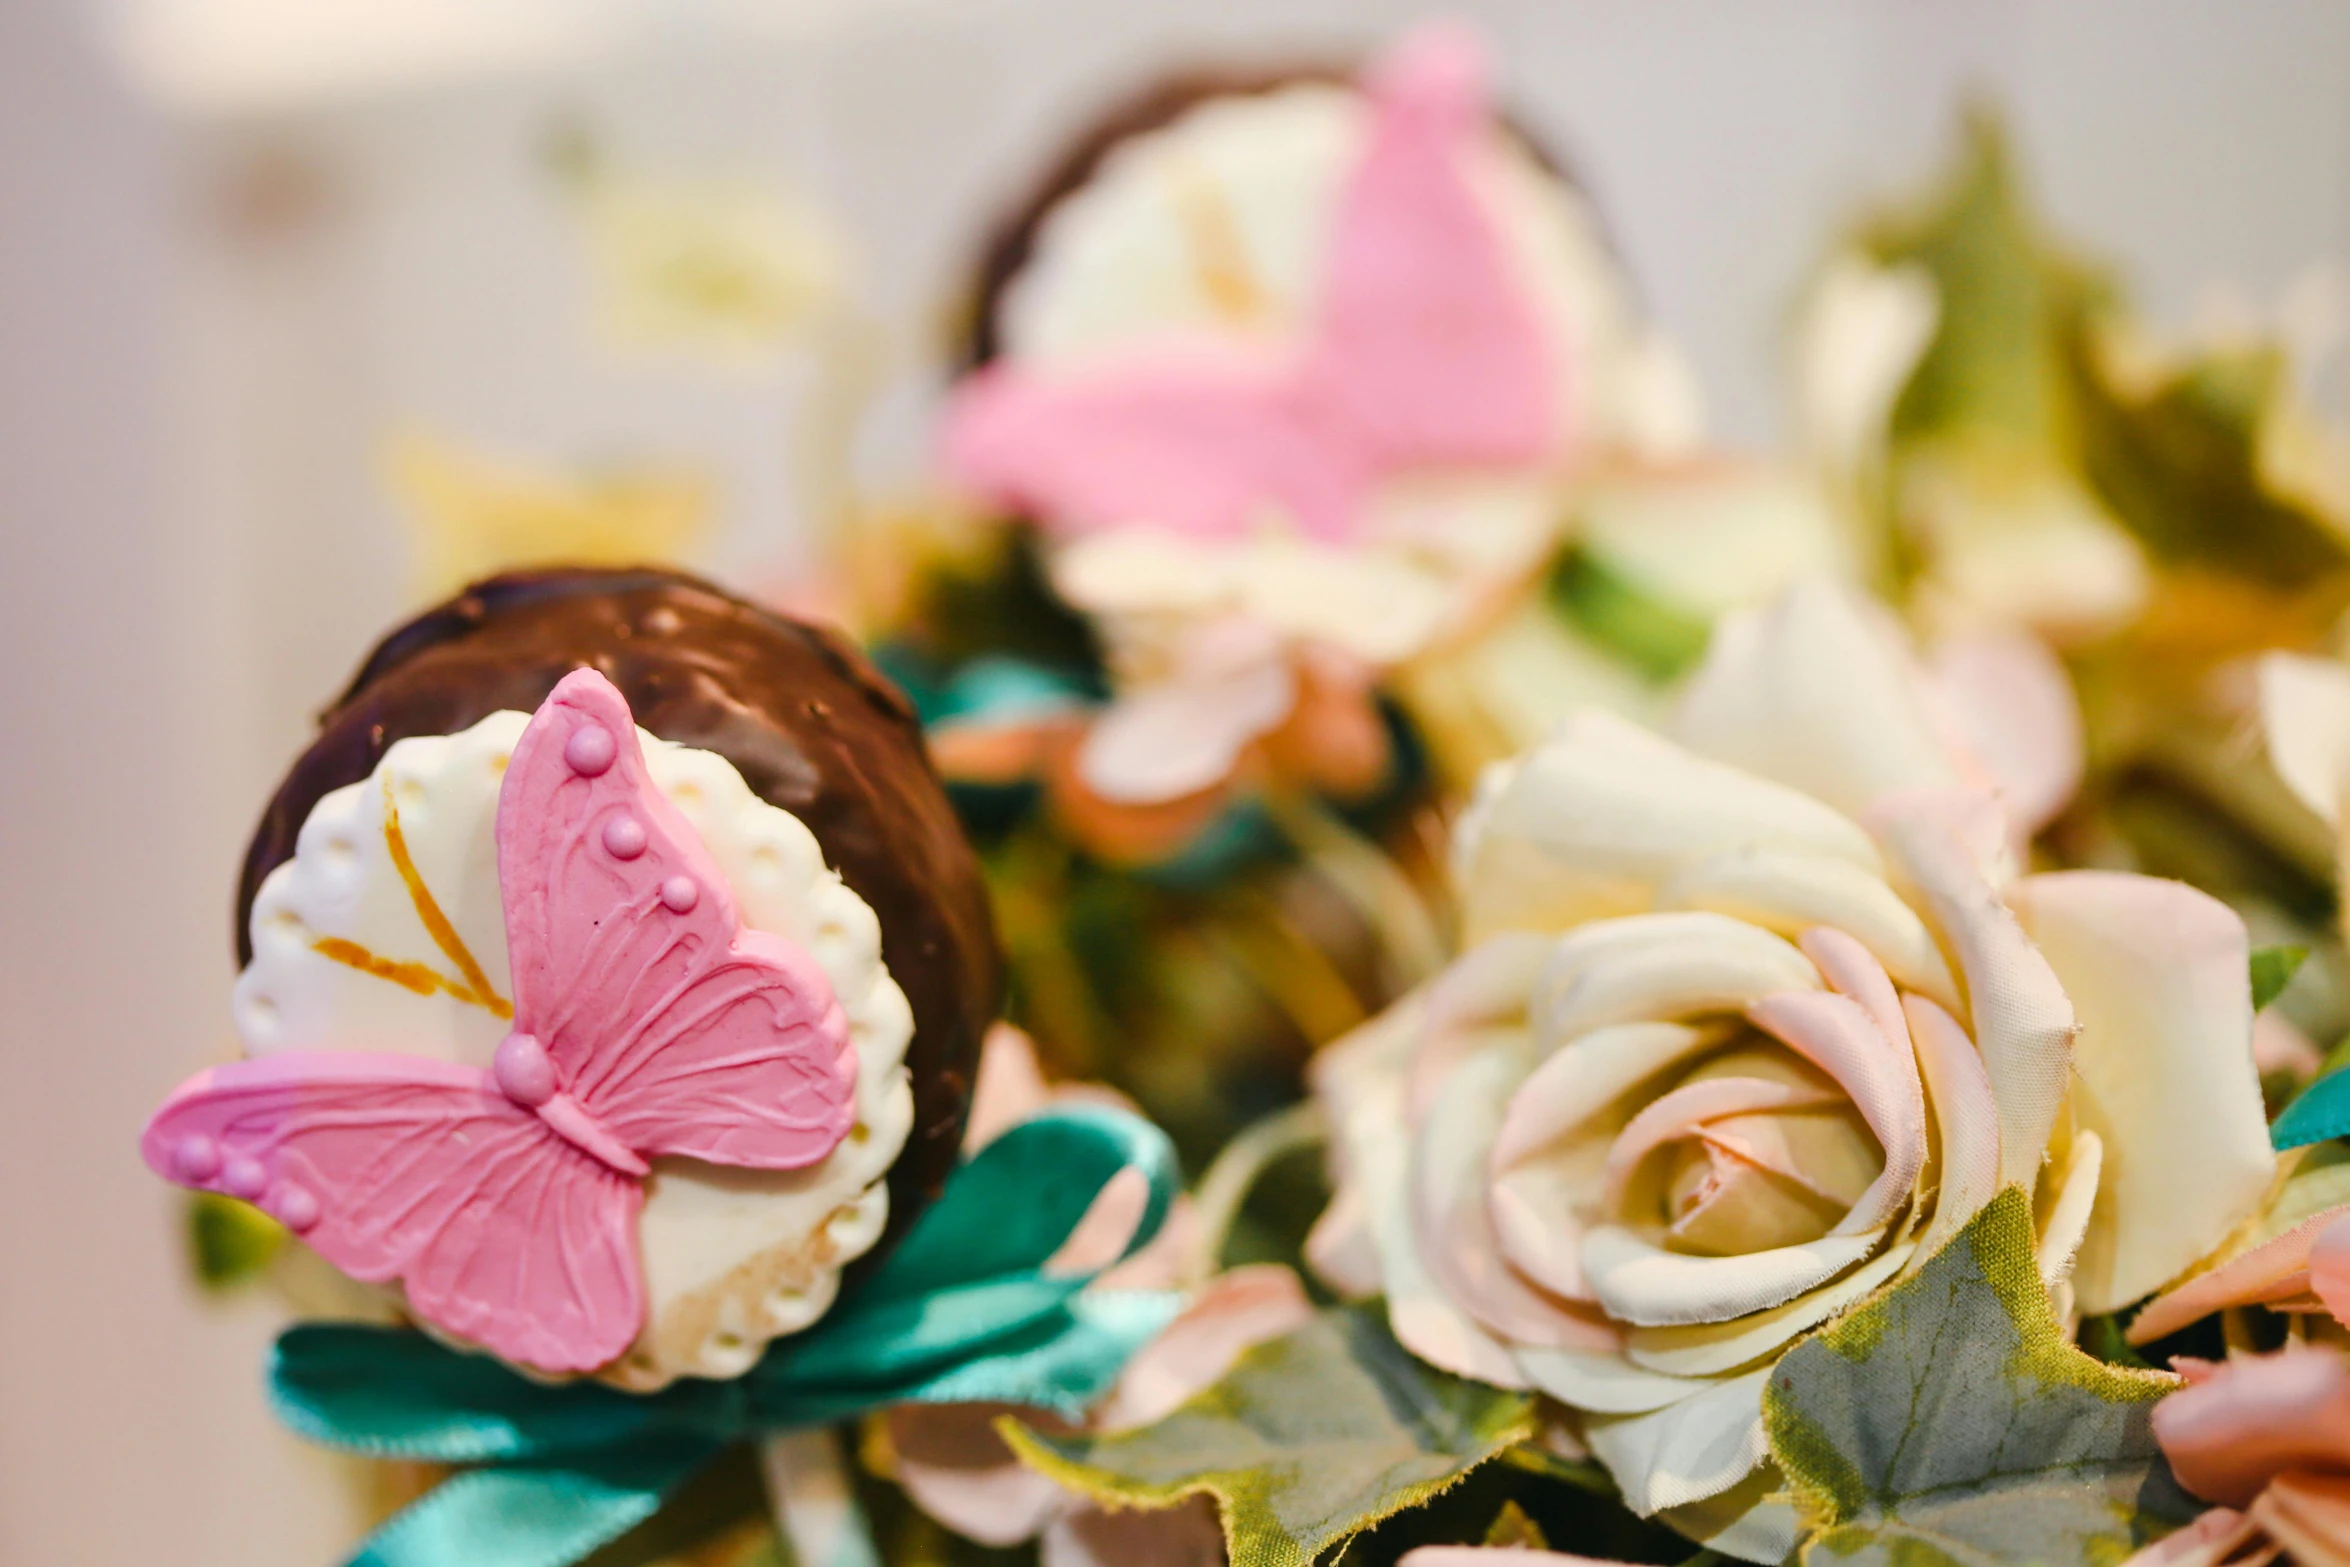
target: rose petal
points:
(955, 1467)
(1498, 1556)
(1179, 735)
(2329, 1268)
(1604, 1382)
(1643, 1284)
(2255, 1418)
(2276, 1270)
(1790, 893)
(2305, 717)
(1815, 692)
(1688, 1451)
(1185, 1535)
(1672, 1116)
(2076, 1189)
(1588, 825)
(1550, 1153)
(1651, 967)
(1453, 1231)
(2163, 1063)
(2023, 1024)
(1234, 1313)
(1485, 985)
(1966, 1122)
(2309, 1516)
(2012, 706)
(2210, 1541)
(1360, 1081)
(1009, 1088)
(1840, 1038)
(1753, 1521)
(1711, 1348)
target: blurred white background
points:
(246, 239)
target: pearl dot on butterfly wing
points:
(679, 894)
(295, 1208)
(590, 750)
(244, 1177)
(524, 1071)
(196, 1158)
(624, 837)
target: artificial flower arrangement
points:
(1803, 971)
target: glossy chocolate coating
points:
(811, 726)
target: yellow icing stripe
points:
(1217, 253)
(419, 977)
(478, 988)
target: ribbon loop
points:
(963, 1311)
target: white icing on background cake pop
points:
(733, 1258)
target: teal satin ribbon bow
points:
(962, 1311)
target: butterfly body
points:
(649, 1022)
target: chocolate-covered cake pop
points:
(723, 852)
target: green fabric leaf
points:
(1511, 1529)
(1613, 610)
(1948, 1423)
(2273, 969)
(230, 1241)
(1305, 1443)
(2322, 1111)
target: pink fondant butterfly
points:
(648, 1021)
(1424, 352)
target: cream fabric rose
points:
(1749, 1022)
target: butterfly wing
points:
(401, 1167)
(1198, 442)
(678, 1030)
(1426, 338)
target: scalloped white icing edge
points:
(733, 1258)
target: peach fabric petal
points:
(1234, 1313)
(1185, 1535)
(2156, 972)
(2023, 1021)
(2011, 707)
(1453, 1228)
(1791, 891)
(2308, 1515)
(950, 1460)
(1498, 1556)
(2256, 1418)
(1966, 1121)
(1838, 1036)
(2275, 1270)
(1176, 736)
(2329, 1268)
(2213, 1540)
(1662, 966)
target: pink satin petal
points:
(1009, 1088)
(2274, 1270)
(2256, 1418)
(2329, 1268)
(1839, 1036)
(1236, 1312)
